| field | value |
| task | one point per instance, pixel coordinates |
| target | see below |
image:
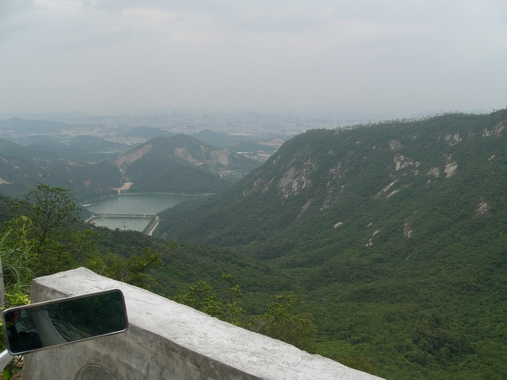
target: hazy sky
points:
(107, 56)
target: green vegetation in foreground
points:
(393, 234)
(402, 270)
(44, 236)
(279, 321)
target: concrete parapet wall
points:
(167, 340)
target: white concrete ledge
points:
(167, 340)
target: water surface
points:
(138, 204)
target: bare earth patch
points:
(125, 187)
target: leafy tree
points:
(48, 221)
(48, 216)
(51, 210)
(279, 322)
(131, 270)
(201, 296)
(360, 362)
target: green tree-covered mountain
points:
(181, 164)
(85, 164)
(82, 149)
(396, 232)
(23, 167)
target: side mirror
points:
(54, 323)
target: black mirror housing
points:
(54, 323)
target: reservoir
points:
(133, 204)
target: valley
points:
(330, 174)
(391, 235)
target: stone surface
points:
(167, 340)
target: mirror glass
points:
(53, 323)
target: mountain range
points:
(393, 235)
(93, 167)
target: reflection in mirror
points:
(53, 323)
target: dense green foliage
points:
(6, 212)
(279, 321)
(44, 221)
(393, 234)
(46, 237)
(43, 238)
(15, 277)
(131, 270)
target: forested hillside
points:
(6, 204)
(181, 164)
(93, 167)
(22, 168)
(395, 232)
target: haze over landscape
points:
(385, 57)
(331, 174)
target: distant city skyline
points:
(380, 57)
